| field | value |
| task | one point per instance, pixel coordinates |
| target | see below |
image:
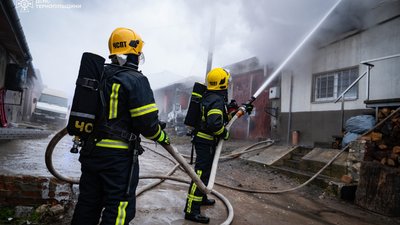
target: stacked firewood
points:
(383, 144)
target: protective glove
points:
(226, 136)
(248, 107)
(232, 106)
(163, 138)
(162, 124)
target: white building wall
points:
(378, 41)
(385, 76)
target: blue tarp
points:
(357, 125)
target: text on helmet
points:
(120, 44)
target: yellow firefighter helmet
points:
(218, 79)
(125, 41)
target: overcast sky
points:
(176, 33)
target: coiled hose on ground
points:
(52, 144)
(49, 164)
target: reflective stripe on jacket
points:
(213, 117)
(109, 143)
(130, 105)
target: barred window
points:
(328, 86)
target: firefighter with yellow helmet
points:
(211, 128)
(109, 159)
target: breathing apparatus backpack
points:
(86, 101)
(192, 118)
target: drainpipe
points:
(290, 110)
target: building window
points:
(328, 86)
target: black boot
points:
(208, 201)
(197, 217)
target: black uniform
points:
(207, 134)
(107, 156)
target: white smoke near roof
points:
(167, 76)
(176, 33)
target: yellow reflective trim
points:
(154, 136)
(143, 110)
(214, 111)
(205, 136)
(121, 213)
(196, 198)
(197, 94)
(161, 136)
(191, 197)
(114, 101)
(219, 131)
(109, 143)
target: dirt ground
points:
(308, 205)
(164, 204)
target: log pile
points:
(379, 184)
(383, 144)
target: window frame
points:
(336, 77)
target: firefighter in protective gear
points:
(109, 162)
(206, 136)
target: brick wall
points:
(33, 191)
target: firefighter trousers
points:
(204, 159)
(102, 188)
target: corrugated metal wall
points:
(258, 125)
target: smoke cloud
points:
(176, 33)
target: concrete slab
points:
(269, 155)
(324, 155)
(23, 133)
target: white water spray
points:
(275, 73)
(258, 92)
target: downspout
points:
(290, 110)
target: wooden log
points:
(376, 136)
(379, 189)
(391, 162)
(385, 112)
(366, 137)
(382, 146)
(396, 150)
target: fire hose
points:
(63, 132)
(174, 152)
(242, 109)
(240, 112)
(57, 137)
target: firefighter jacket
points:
(213, 118)
(128, 109)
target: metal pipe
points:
(379, 59)
(349, 87)
(342, 117)
(368, 82)
(290, 110)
